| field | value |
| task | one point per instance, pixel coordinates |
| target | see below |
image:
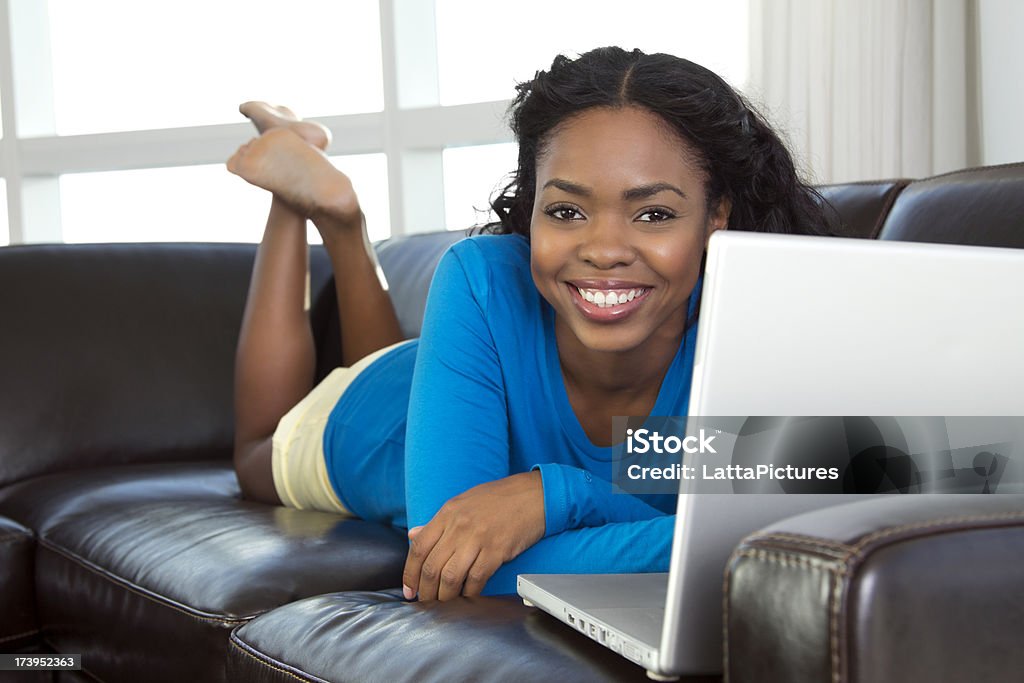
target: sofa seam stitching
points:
(852, 555)
(792, 561)
(970, 169)
(270, 662)
(124, 583)
(20, 536)
(24, 634)
(835, 603)
(893, 194)
(947, 522)
(802, 539)
(851, 549)
(880, 183)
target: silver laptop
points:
(793, 326)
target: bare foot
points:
(284, 163)
(268, 117)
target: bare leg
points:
(276, 357)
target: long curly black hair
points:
(743, 158)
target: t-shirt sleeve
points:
(624, 547)
(457, 434)
(575, 498)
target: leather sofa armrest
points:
(902, 588)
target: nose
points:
(605, 243)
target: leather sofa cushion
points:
(122, 353)
(41, 502)
(125, 353)
(902, 588)
(408, 263)
(980, 206)
(148, 567)
(368, 637)
(17, 604)
(862, 207)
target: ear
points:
(718, 218)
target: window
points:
(471, 176)
(126, 111)
(5, 231)
(129, 65)
(484, 49)
(195, 203)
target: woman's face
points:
(619, 227)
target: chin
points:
(609, 343)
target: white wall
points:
(1001, 68)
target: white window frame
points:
(412, 130)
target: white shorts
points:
(299, 465)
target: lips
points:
(607, 301)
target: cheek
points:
(546, 256)
(678, 261)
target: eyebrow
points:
(645, 191)
(641, 192)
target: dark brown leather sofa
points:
(123, 536)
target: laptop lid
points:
(797, 325)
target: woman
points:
(581, 304)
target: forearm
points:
(631, 547)
(575, 498)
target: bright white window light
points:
(129, 65)
(471, 176)
(196, 203)
(5, 228)
(485, 48)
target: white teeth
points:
(605, 299)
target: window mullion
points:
(26, 76)
(415, 174)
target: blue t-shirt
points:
(487, 400)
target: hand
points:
(472, 535)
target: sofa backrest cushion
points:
(116, 354)
(408, 263)
(113, 354)
(980, 206)
(863, 206)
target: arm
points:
(457, 439)
(635, 547)
(457, 433)
(575, 498)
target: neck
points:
(620, 374)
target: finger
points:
(420, 546)
(453, 575)
(413, 531)
(479, 573)
(430, 570)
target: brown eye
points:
(656, 216)
(564, 213)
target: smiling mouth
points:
(607, 305)
(607, 298)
